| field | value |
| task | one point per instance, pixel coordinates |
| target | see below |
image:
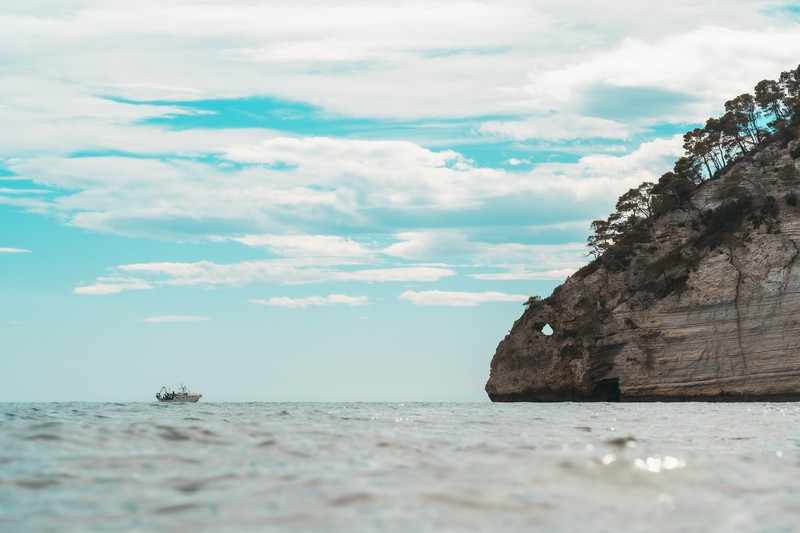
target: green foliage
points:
(689, 170)
(671, 192)
(790, 85)
(741, 121)
(586, 270)
(601, 239)
(636, 202)
(670, 273)
(721, 222)
(766, 214)
(680, 259)
(623, 228)
(708, 151)
(771, 98)
(533, 302)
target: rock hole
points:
(547, 330)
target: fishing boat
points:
(182, 396)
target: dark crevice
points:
(607, 390)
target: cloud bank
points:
(360, 143)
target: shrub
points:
(533, 302)
(721, 222)
(587, 269)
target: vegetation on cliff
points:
(694, 290)
(749, 121)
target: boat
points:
(182, 396)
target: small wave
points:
(172, 434)
(354, 467)
(177, 508)
(43, 436)
(350, 499)
(36, 483)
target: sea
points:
(399, 467)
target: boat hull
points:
(183, 399)
(181, 396)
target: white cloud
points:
(708, 64)
(465, 59)
(459, 299)
(431, 244)
(332, 182)
(358, 53)
(65, 93)
(538, 65)
(332, 299)
(341, 184)
(434, 244)
(175, 318)
(601, 178)
(13, 251)
(393, 174)
(559, 127)
(113, 285)
(282, 272)
(5, 190)
(306, 245)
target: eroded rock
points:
(688, 316)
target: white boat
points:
(182, 396)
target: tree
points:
(688, 169)
(636, 202)
(601, 239)
(671, 192)
(697, 147)
(707, 150)
(718, 145)
(789, 82)
(732, 132)
(744, 113)
(770, 98)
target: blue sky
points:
(327, 200)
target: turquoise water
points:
(399, 467)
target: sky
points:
(327, 200)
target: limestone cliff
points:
(704, 306)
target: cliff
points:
(704, 305)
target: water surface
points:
(399, 467)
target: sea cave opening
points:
(547, 330)
(607, 390)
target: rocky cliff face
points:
(705, 307)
